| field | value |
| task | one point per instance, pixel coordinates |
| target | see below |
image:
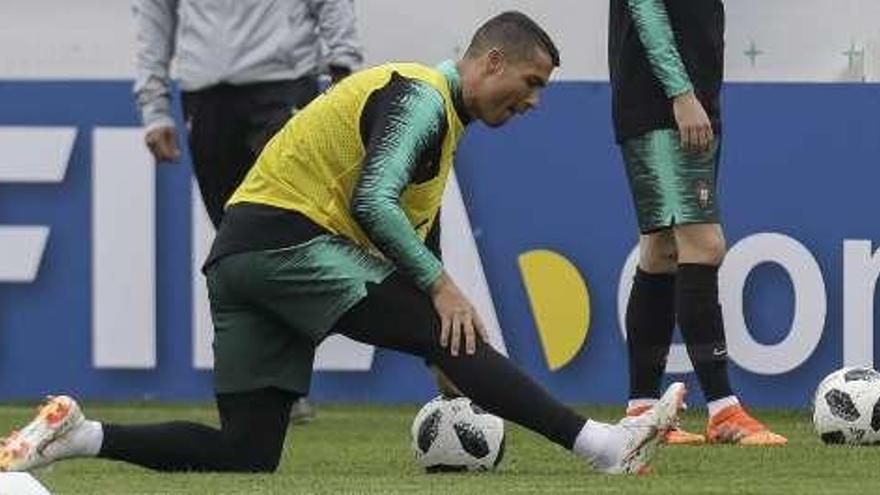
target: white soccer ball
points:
(456, 435)
(21, 484)
(846, 407)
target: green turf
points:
(365, 449)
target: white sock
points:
(634, 403)
(717, 405)
(92, 438)
(594, 440)
(83, 441)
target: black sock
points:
(702, 326)
(650, 321)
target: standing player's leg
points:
(216, 141)
(397, 315)
(651, 310)
(676, 188)
(650, 323)
(650, 317)
(701, 249)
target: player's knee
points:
(701, 243)
(708, 250)
(715, 251)
(258, 461)
(659, 259)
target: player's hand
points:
(458, 318)
(694, 126)
(162, 142)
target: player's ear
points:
(495, 61)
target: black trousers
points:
(228, 127)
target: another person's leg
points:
(676, 188)
(701, 249)
(650, 323)
(216, 142)
(396, 315)
(651, 161)
(650, 316)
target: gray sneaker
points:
(301, 411)
(641, 434)
(45, 439)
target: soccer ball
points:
(21, 484)
(846, 407)
(456, 435)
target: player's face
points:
(512, 87)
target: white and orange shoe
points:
(642, 433)
(736, 426)
(45, 439)
(675, 436)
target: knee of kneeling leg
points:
(257, 461)
(263, 465)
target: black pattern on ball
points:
(834, 437)
(875, 416)
(443, 468)
(472, 439)
(841, 405)
(428, 431)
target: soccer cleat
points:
(643, 433)
(29, 447)
(675, 436)
(734, 425)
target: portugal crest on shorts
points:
(704, 193)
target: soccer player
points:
(243, 67)
(666, 61)
(327, 232)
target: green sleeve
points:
(407, 123)
(655, 31)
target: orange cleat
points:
(735, 426)
(675, 436)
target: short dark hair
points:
(516, 34)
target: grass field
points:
(365, 449)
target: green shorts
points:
(272, 308)
(669, 185)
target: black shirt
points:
(640, 100)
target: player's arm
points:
(336, 27)
(156, 24)
(409, 123)
(655, 32)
